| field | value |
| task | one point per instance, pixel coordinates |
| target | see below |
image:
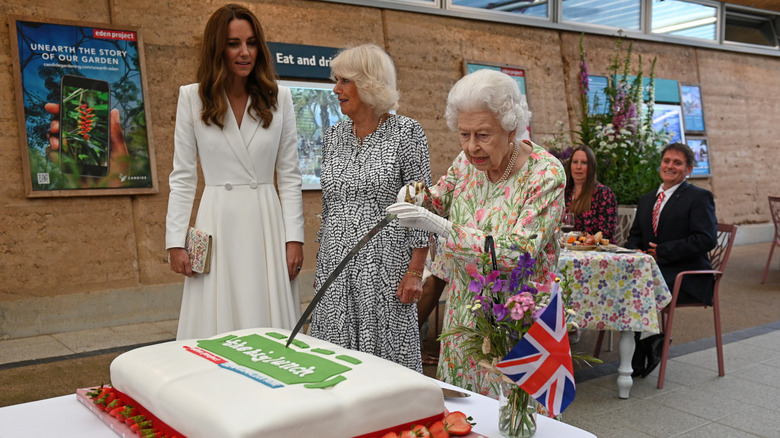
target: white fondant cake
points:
(259, 389)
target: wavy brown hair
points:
(212, 72)
(582, 203)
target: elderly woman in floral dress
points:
(497, 187)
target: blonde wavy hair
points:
(373, 72)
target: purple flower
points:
(584, 85)
(500, 311)
(527, 288)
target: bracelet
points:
(415, 273)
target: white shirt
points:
(667, 194)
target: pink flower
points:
(520, 304)
(480, 214)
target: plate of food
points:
(580, 247)
(585, 241)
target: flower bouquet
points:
(505, 307)
(621, 134)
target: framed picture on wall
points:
(669, 118)
(701, 153)
(316, 109)
(81, 96)
(693, 110)
(515, 71)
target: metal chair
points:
(774, 208)
(719, 256)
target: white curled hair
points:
(373, 72)
(489, 90)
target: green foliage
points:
(622, 136)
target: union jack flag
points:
(541, 361)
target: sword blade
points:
(332, 277)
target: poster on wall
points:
(81, 103)
(693, 110)
(701, 153)
(515, 71)
(316, 109)
(669, 118)
(597, 96)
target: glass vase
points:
(516, 411)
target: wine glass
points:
(567, 226)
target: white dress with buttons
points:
(248, 285)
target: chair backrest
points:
(719, 255)
(774, 209)
(625, 218)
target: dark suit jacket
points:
(687, 231)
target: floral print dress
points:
(602, 215)
(521, 215)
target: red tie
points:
(656, 211)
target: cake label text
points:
(271, 358)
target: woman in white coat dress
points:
(242, 125)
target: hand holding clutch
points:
(413, 216)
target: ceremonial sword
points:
(418, 186)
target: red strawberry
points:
(390, 435)
(116, 412)
(102, 396)
(127, 412)
(98, 392)
(417, 431)
(133, 420)
(115, 403)
(140, 425)
(438, 430)
(456, 423)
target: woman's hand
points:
(413, 216)
(294, 259)
(180, 261)
(410, 290)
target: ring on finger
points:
(298, 268)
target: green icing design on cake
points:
(273, 359)
(299, 344)
(326, 384)
(322, 351)
(349, 359)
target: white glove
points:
(418, 198)
(413, 216)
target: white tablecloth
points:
(65, 417)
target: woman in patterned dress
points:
(497, 186)
(593, 204)
(371, 306)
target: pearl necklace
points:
(510, 166)
(357, 141)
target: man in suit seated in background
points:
(676, 225)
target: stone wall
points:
(102, 259)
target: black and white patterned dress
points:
(360, 310)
